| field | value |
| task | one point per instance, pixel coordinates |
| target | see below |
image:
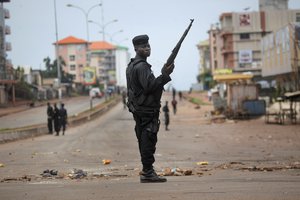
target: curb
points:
(41, 129)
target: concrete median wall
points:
(41, 129)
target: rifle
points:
(178, 45)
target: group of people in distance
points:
(57, 117)
(166, 110)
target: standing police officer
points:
(144, 95)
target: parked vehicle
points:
(96, 93)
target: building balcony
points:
(7, 30)
(9, 63)
(6, 78)
(6, 14)
(227, 49)
(8, 46)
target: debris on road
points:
(176, 172)
(23, 179)
(77, 174)
(49, 173)
(106, 162)
(1, 165)
(202, 163)
(261, 168)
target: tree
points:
(51, 69)
(206, 79)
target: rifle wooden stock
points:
(175, 51)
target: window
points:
(80, 66)
(72, 67)
(72, 57)
(244, 36)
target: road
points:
(245, 160)
(38, 115)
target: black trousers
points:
(50, 125)
(146, 129)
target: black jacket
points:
(144, 90)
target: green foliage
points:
(51, 70)
(207, 79)
(23, 90)
(198, 101)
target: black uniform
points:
(144, 94)
(56, 117)
(63, 118)
(167, 116)
(50, 114)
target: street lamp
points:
(115, 33)
(86, 14)
(112, 35)
(57, 55)
(122, 41)
(103, 26)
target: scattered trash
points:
(1, 165)
(23, 178)
(77, 174)
(176, 172)
(49, 173)
(202, 163)
(106, 162)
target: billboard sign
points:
(89, 75)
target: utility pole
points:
(57, 55)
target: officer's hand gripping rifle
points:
(175, 51)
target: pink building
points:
(74, 52)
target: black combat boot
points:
(150, 176)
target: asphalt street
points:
(228, 160)
(38, 115)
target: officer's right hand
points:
(167, 69)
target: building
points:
(122, 60)
(103, 59)
(204, 67)
(215, 44)
(241, 33)
(106, 64)
(280, 56)
(74, 53)
(7, 82)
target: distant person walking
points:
(50, 114)
(124, 96)
(56, 118)
(63, 118)
(180, 95)
(167, 116)
(174, 105)
(174, 93)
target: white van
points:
(95, 93)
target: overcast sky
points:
(32, 25)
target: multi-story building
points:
(122, 60)
(74, 53)
(204, 52)
(215, 44)
(103, 58)
(7, 93)
(106, 60)
(280, 56)
(204, 67)
(241, 34)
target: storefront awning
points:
(232, 77)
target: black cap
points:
(140, 39)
